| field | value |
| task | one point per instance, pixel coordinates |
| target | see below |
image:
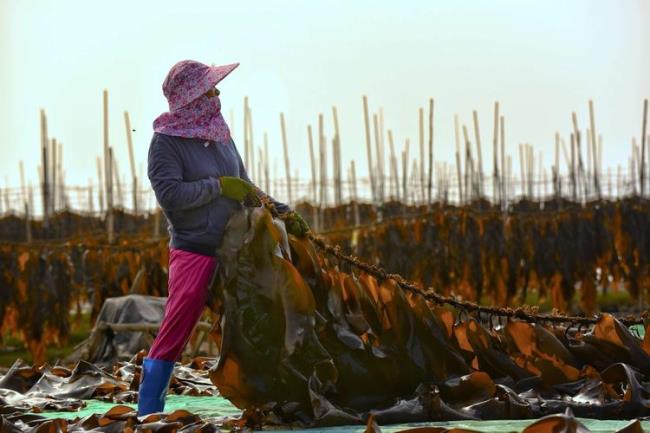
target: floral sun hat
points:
(192, 113)
(189, 79)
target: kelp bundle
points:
(302, 340)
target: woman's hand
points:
(235, 188)
(295, 224)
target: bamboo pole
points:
(495, 154)
(581, 175)
(430, 182)
(108, 171)
(267, 184)
(522, 170)
(369, 148)
(394, 182)
(574, 188)
(477, 135)
(6, 194)
(314, 176)
(459, 169)
(45, 187)
(469, 168)
(421, 136)
(502, 130)
(287, 166)
(100, 179)
(594, 148)
(355, 202)
(23, 188)
(380, 160)
(116, 178)
(405, 159)
(53, 175)
(643, 143)
(91, 204)
(323, 166)
(337, 159)
(134, 176)
(61, 177)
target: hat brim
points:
(218, 73)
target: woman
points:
(199, 180)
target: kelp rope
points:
(525, 313)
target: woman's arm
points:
(282, 208)
(166, 175)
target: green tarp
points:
(216, 407)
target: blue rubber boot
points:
(156, 374)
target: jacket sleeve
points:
(165, 173)
(282, 208)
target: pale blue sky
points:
(541, 59)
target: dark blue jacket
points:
(184, 175)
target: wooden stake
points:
(369, 148)
(267, 184)
(459, 169)
(100, 190)
(522, 170)
(337, 159)
(405, 160)
(287, 166)
(45, 187)
(495, 154)
(23, 188)
(479, 152)
(108, 170)
(430, 183)
(594, 148)
(53, 175)
(380, 160)
(355, 194)
(314, 176)
(134, 177)
(643, 143)
(504, 195)
(421, 130)
(394, 182)
(91, 204)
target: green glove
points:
(295, 224)
(235, 188)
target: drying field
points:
(415, 314)
(317, 338)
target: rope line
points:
(525, 313)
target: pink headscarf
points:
(191, 113)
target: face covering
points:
(200, 118)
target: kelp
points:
(25, 388)
(309, 340)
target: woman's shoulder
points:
(160, 139)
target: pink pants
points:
(189, 277)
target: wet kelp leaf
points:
(538, 351)
(269, 345)
(61, 389)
